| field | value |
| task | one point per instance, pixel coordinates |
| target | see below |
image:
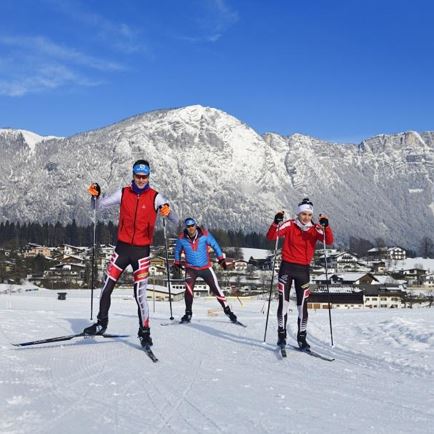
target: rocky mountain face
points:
(219, 170)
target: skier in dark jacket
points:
(300, 237)
(194, 242)
(139, 207)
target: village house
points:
(161, 293)
(339, 300)
(388, 282)
(350, 278)
(428, 280)
(387, 253)
(342, 262)
(73, 259)
(240, 265)
(31, 250)
(261, 264)
(156, 270)
(62, 275)
(382, 298)
(378, 267)
(68, 249)
(201, 289)
(414, 276)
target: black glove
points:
(223, 264)
(177, 266)
(94, 189)
(278, 218)
(323, 221)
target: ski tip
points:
(238, 323)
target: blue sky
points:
(340, 70)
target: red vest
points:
(137, 217)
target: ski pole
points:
(92, 286)
(271, 284)
(167, 268)
(327, 285)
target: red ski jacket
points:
(137, 217)
(299, 246)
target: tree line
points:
(16, 235)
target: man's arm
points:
(211, 241)
(178, 251)
(109, 201)
(160, 200)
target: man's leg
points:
(140, 261)
(210, 279)
(118, 262)
(190, 280)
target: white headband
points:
(304, 207)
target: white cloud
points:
(213, 19)
(43, 78)
(34, 64)
(119, 36)
(45, 47)
(228, 16)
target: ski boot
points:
(301, 340)
(230, 314)
(98, 328)
(144, 336)
(187, 317)
(281, 337)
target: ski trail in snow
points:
(214, 376)
(184, 399)
(354, 357)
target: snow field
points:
(212, 376)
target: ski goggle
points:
(142, 169)
(190, 222)
(141, 176)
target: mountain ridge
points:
(211, 165)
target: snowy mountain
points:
(214, 167)
(27, 138)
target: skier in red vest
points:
(139, 206)
(300, 238)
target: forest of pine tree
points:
(16, 235)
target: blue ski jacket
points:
(196, 250)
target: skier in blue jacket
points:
(194, 242)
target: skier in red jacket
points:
(139, 205)
(300, 237)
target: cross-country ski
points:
(312, 353)
(67, 338)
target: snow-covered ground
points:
(406, 264)
(212, 376)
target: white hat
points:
(305, 205)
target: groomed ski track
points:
(212, 376)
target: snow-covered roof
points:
(350, 276)
(255, 253)
(384, 278)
